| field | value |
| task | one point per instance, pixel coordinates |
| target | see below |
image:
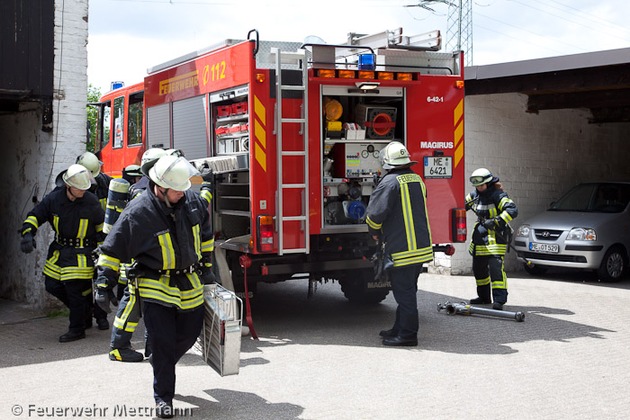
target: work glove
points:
(378, 262)
(491, 224)
(27, 244)
(104, 282)
(105, 297)
(104, 292)
(206, 275)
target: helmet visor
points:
(479, 180)
(176, 176)
(81, 180)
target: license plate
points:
(548, 248)
(438, 167)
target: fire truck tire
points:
(354, 289)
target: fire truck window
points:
(134, 128)
(119, 122)
(104, 127)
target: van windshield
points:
(598, 198)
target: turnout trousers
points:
(127, 317)
(77, 296)
(171, 333)
(490, 277)
(405, 287)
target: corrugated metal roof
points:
(549, 64)
(599, 81)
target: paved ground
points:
(321, 358)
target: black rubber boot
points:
(483, 295)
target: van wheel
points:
(535, 270)
(613, 265)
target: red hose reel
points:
(378, 121)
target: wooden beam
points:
(590, 99)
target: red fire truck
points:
(290, 134)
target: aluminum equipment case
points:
(220, 338)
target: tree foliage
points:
(93, 96)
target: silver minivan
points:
(587, 228)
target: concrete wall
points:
(537, 156)
(33, 158)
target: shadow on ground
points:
(285, 315)
(229, 404)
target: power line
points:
(588, 16)
(562, 17)
(525, 30)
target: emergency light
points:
(367, 62)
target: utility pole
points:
(459, 25)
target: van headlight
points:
(523, 231)
(582, 234)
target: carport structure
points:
(546, 124)
(598, 81)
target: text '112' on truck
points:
(289, 133)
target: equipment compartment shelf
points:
(236, 213)
(232, 118)
(362, 141)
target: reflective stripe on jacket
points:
(397, 212)
(159, 238)
(77, 222)
(490, 204)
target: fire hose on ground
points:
(463, 308)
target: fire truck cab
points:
(289, 134)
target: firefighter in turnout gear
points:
(77, 219)
(490, 236)
(166, 232)
(149, 157)
(132, 174)
(101, 186)
(129, 308)
(397, 216)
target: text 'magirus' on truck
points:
(290, 134)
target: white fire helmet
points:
(174, 152)
(91, 162)
(149, 157)
(173, 173)
(133, 170)
(395, 155)
(78, 176)
(480, 176)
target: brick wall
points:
(33, 157)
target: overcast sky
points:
(126, 37)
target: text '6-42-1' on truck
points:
(289, 134)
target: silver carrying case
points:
(220, 338)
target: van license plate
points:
(548, 248)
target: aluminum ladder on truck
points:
(285, 60)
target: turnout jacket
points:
(397, 212)
(139, 187)
(78, 227)
(495, 204)
(166, 244)
(100, 187)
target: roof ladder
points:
(291, 211)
